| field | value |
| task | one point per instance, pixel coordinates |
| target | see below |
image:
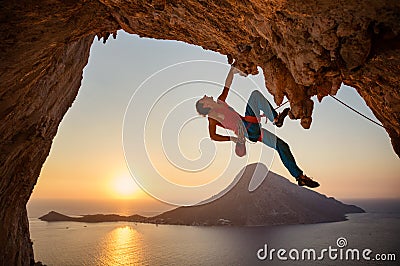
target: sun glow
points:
(125, 187)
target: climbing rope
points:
(354, 110)
(281, 105)
(346, 105)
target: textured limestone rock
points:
(305, 47)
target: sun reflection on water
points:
(123, 246)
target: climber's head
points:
(204, 105)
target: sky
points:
(133, 125)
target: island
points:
(275, 201)
(53, 216)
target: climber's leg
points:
(256, 103)
(283, 150)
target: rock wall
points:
(305, 48)
(43, 52)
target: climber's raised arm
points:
(228, 83)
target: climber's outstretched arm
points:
(228, 83)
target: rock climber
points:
(219, 113)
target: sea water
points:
(124, 243)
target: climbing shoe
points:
(304, 180)
(278, 121)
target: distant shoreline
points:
(276, 201)
(370, 205)
(37, 206)
(53, 216)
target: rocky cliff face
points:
(305, 48)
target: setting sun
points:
(124, 186)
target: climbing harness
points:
(253, 128)
(256, 120)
